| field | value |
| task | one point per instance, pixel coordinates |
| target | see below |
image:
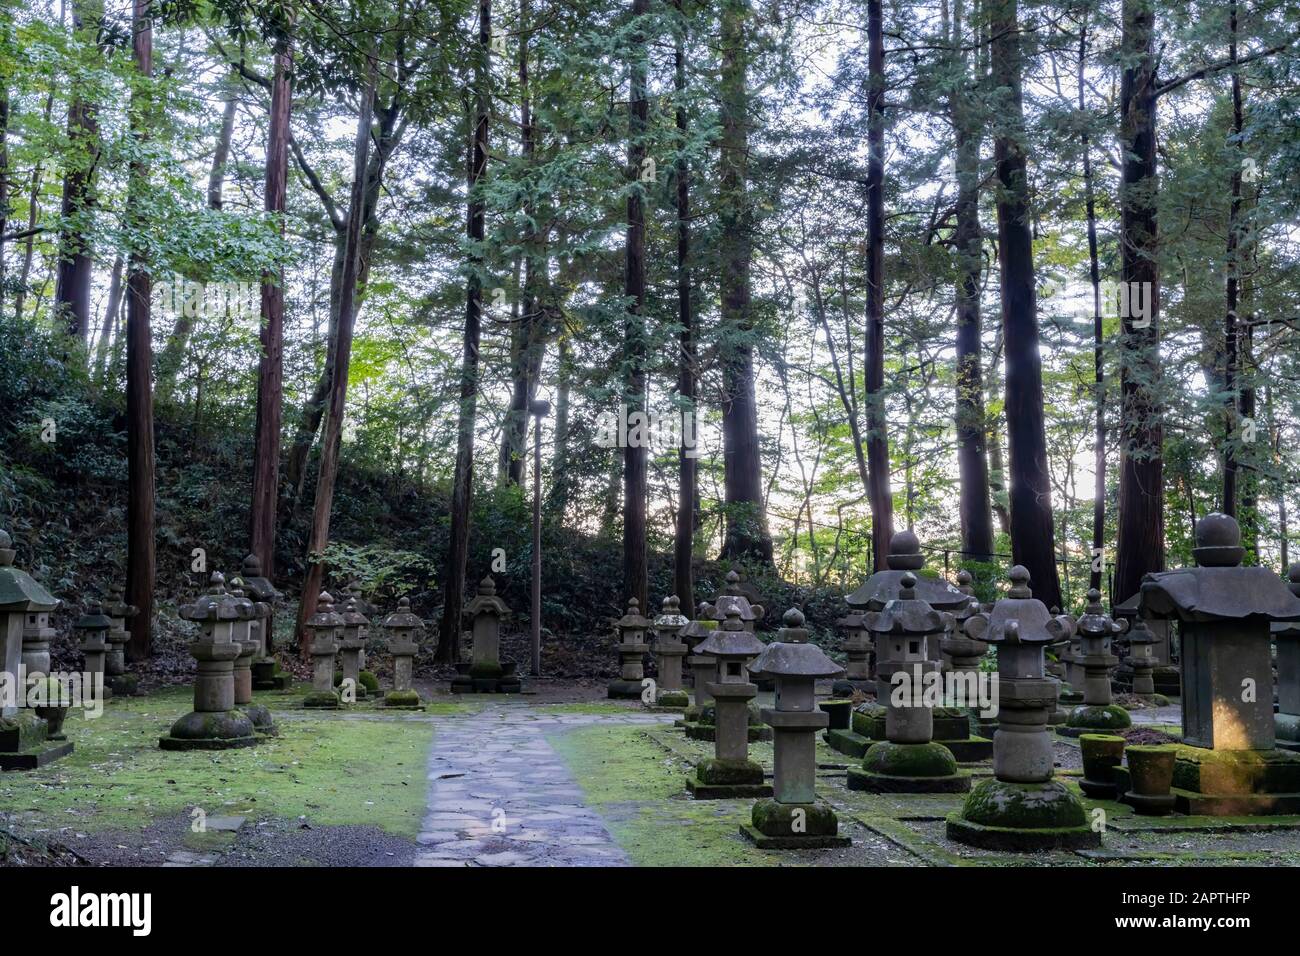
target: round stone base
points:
(1150, 806)
(1091, 717)
(262, 720)
(216, 727)
(1098, 789)
(870, 782)
(1021, 839)
(403, 700)
(322, 700)
(675, 699)
(216, 743)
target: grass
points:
(332, 771)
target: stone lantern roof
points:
(257, 586)
(672, 618)
(215, 604)
(403, 619)
(1095, 622)
(1139, 633)
(731, 639)
(1020, 618)
(790, 655)
(486, 601)
(18, 589)
(117, 606)
(703, 625)
(633, 620)
(1218, 589)
(733, 596)
(1290, 628)
(905, 557)
(908, 613)
(851, 622)
(93, 620)
(325, 615)
(352, 617)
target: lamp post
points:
(539, 410)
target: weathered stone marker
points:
(120, 613)
(1232, 765)
(703, 668)
(1095, 630)
(355, 628)
(730, 772)
(632, 648)
(92, 630)
(264, 595)
(1022, 807)
(24, 605)
(214, 724)
(794, 818)
(1141, 661)
(243, 673)
(486, 673)
(37, 635)
(857, 646)
(325, 627)
(668, 652)
(1287, 635)
(1163, 673)
(908, 760)
(402, 626)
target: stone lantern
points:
(118, 636)
(243, 671)
(1141, 657)
(37, 635)
(908, 760)
(1095, 630)
(735, 594)
(1164, 672)
(703, 667)
(92, 630)
(214, 724)
(485, 673)
(1287, 635)
(355, 627)
(402, 627)
(669, 651)
(1232, 764)
(962, 652)
(730, 772)
(264, 595)
(326, 629)
(632, 648)
(794, 818)
(1022, 807)
(24, 605)
(857, 646)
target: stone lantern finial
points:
(1218, 542)
(905, 552)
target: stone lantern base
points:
(1091, 718)
(403, 700)
(215, 730)
(262, 720)
(794, 826)
(487, 677)
(908, 768)
(1286, 727)
(705, 727)
(322, 700)
(1236, 782)
(952, 729)
(267, 676)
(716, 779)
(674, 700)
(24, 744)
(1026, 817)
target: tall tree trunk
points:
(684, 536)
(332, 435)
(1232, 270)
(882, 502)
(635, 571)
(557, 498)
(76, 261)
(1098, 355)
(746, 533)
(33, 213)
(972, 459)
(141, 557)
(270, 366)
(1032, 531)
(1141, 545)
(463, 479)
(4, 176)
(111, 312)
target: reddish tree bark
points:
(684, 537)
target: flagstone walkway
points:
(499, 795)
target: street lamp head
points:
(539, 407)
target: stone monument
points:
(119, 612)
(1164, 671)
(703, 668)
(1287, 635)
(1231, 765)
(908, 760)
(1098, 712)
(355, 628)
(632, 648)
(794, 818)
(243, 635)
(92, 630)
(266, 674)
(486, 673)
(730, 772)
(214, 724)
(857, 647)
(1022, 807)
(669, 651)
(326, 627)
(402, 627)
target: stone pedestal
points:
(702, 667)
(402, 627)
(214, 724)
(1022, 807)
(266, 674)
(486, 673)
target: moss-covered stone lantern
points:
(794, 818)
(1095, 630)
(1287, 635)
(243, 668)
(1022, 807)
(120, 613)
(215, 723)
(1232, 764)
(356, 626)
(908, 760)
(632, 648)
(669, 651)
(92, 630)
(730, 772)
(326, 628)
(262, 592)
(403, 626)
(24, 604)
(703, 668)
(1141, 661)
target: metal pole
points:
(539, 409)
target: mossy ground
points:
(333, 771)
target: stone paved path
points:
(499, 795)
